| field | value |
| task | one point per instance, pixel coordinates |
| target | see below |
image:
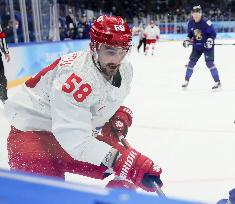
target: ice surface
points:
(190, 133)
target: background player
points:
(142, 38)
(201, 34)
(3, 79)
(58, 113)
(152, 33)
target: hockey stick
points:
(122, 139)
(213, 44)
(224, 44)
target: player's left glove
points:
(209, 43)
(117, 125)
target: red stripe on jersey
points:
(2, 35)
(32, 82)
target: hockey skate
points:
(217, 85)
(185, 84)
(3, 99)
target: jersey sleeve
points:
(210, 30)
(71, 124)
(157, 32)
(190, 32)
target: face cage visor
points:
(112, 51)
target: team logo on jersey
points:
(119, 27)
(198, 34)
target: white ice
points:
(190, 133)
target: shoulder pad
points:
(68, 59)
(209, 22)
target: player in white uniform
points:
(152, 33)
(142, 38)
(66, 117)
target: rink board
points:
(18, 188)
(28, 59)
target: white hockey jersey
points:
(70, 98)
(152, 32)
(138, 31)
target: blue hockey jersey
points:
(200, 32)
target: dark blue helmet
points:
(197, 9)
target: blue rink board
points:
(18, 188)
(29, 59)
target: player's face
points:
(110, 58)
(197, 16)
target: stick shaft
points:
(213, 44)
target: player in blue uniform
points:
(231, 199)
(201, 34)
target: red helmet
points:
(110, 30)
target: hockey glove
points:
(209, 43)
(117, 125)
(187, 43)
(139, 169)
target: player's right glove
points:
(133, 167)
(117, 125)
(187, 43)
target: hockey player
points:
(230, 200)
(142, 37)
(201, 34)
(66, 117)
(152, 33)
(3, 79)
